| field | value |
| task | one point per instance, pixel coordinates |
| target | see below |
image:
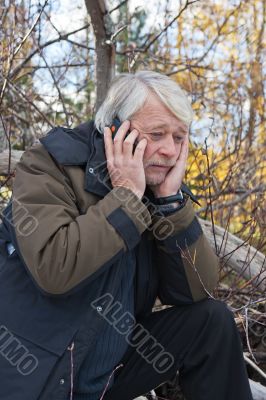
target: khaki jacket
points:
(71, 230)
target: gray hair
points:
(128, 93)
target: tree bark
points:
(105, 49)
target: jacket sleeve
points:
(61, 249)
(188, 267)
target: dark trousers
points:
(205, 347)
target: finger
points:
(180, 165)
(119, 138)
(140, 149)
(129, 142)
(184, 150)
(108, 144)
(183, 156)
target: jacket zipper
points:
(118, 366)
(71, 348)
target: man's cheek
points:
(146, 155)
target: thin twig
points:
(41, 47)
(30, 30)
(23, 95)
(253, 365)
(188, 3)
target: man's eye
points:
(178, 139)
(156, 134)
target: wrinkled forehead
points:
(159, 122)
(177, 124)
(155, 115)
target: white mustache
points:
(159, 163)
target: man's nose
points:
(169, 148)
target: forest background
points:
(57, 59)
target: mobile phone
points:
(115, 125)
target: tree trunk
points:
(105, 49)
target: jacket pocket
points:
(26, 362)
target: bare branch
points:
(188, 3)
(23, 95)
(43, 46)
(117, 7)
(31, 29)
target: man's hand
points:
(125, 168)
(174, 177)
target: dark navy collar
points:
(82, 146)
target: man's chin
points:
(154, 180)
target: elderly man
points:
(100, 224)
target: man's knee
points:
(218, 313)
